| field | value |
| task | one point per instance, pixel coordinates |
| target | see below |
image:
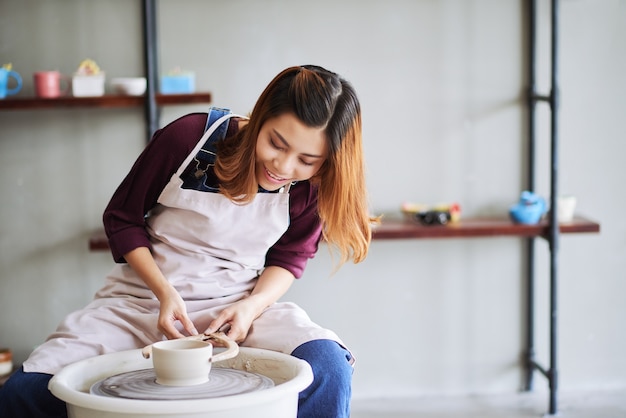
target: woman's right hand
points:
(172, 306)
(173, 309)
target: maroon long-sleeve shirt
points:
(124, 217)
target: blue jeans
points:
(330, 393)
(26, 395)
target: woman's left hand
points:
(270, 286)
(239, 317)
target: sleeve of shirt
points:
(124, 216)
(301, 240)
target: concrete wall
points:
(442, 85)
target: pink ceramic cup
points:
(48, 84)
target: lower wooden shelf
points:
(477, 227)
(399, 228)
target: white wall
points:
(442, 86)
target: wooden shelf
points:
(106, 101)
(476, 227)
(98, 241)
(394, 228)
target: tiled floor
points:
(523, 405)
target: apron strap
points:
(217, 117)
(207, 154)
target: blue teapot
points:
(5, 74)
(529, 209)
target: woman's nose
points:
(283, 165)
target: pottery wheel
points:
(141, 384)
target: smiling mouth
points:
(273, 177)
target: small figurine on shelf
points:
(6, 73)
(88, 80)
(529, 209)
(433, 215)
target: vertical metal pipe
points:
(530, 184)
(532, 81)
(151, 111)
(554, 226)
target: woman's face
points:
(287, 150)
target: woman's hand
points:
(238, 317)
(271, 285)
(173, 309)
(172, 306)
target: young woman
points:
(211, 226)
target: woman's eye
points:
(274, 144)
(306, 162)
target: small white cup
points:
(566, 205)
(182, 362)
(187, 361)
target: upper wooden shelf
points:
(106, 101)
(394, 228)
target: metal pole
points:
(530, 242)
(151, 110)
(554, 226)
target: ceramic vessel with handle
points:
(5, 77)
(187, 361)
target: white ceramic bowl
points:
(129, 86)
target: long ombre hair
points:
(320, 99)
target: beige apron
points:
(212, 251)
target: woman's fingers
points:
(188, 325)
(167, 321)
(232, 322)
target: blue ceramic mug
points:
(5, 75)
